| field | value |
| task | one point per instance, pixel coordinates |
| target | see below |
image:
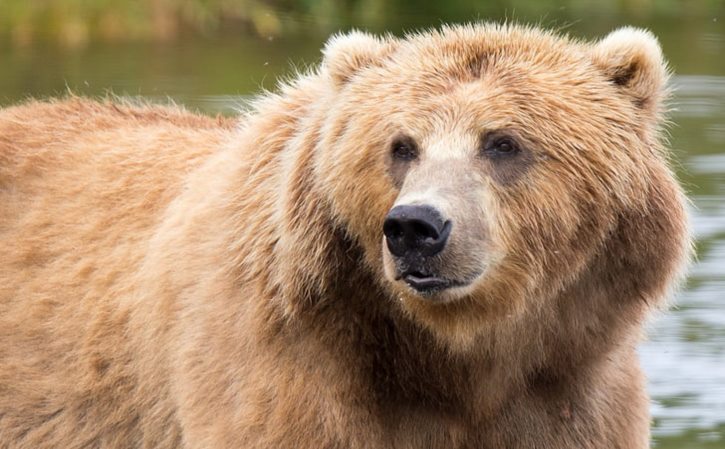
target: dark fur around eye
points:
(404, 148)
(500, 145)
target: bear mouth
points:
(427, 284)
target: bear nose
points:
(418, 229)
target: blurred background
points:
(213, 55)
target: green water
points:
(685, 355)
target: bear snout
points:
(414, 231)
(414, 234)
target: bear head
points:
(494, 172)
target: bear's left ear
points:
(346, 54)
(631, 59)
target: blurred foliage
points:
(76, 22)
(694, 439)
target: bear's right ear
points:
(632, 60)
(346, 54)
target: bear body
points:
(444, 241)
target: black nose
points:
(415, 230)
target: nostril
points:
(392, 229)
(423, 230)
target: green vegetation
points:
(76, 22)
(693, 439)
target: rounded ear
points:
(631, 59)
(346, 54)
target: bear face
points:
(485, 170)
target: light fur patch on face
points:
(455, 187)
(451, 145)
(427, 184)
(430, 195)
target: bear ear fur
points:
(631, 58)
(346, 54)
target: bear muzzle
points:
(414, 234)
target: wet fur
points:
(172, 280)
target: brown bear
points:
(449, 240)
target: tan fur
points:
(170, 280)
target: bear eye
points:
(404, 149)
(500, 146)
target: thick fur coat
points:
(169, 280)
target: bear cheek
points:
(473, 247)
(361, 194)
(559, 238)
